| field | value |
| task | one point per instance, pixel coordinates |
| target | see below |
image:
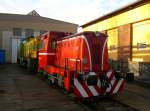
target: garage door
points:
(113, 44)
(141, 41)
(15, 46)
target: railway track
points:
(106, 104)
(98, 104)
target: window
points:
(29, 32)
(41, 45)
(53, 45)
(17, 31)
(141, 45)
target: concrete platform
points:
(21, 91)
(136, 96)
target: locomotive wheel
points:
(50, 83)
(60, 81)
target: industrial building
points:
(128, 30)
(14, 27)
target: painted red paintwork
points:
(84, 52)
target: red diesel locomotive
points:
(79, 64)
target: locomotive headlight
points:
(92, 79)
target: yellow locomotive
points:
(28, 53)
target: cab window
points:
(53, 45)
(41, 45)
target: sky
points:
(74, 11)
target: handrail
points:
(78, 60)
(66, 63)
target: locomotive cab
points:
(79, 64)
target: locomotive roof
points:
(82, 33)
(28, 38)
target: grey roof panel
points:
(28, 18)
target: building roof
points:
(33, 16)
(34, 13)
(118, 11)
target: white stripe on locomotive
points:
(112, 83)
(109, 74)
(99, 83)
(103, 54)
(88, 51)
(44, 53)
(93, 90)
(80, 88)
(118, 86)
